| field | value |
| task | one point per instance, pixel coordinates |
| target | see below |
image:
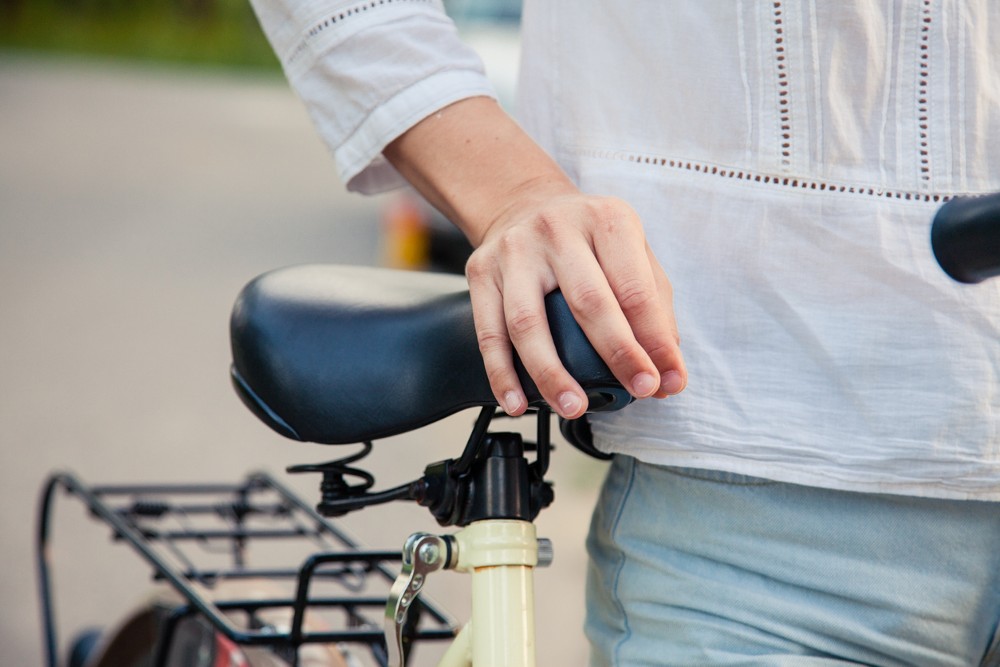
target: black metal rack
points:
(195, 535)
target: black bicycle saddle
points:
(343, 354)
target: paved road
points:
(134, 203)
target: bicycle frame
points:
(501, 556)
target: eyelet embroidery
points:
(784, 104)
(923, 95)
(338, 17)
(768, 179)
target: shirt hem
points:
(795, 475)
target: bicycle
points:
(304, 340)
(292, 330)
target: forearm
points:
(474, 163)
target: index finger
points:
(528, 327)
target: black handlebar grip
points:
(965, 238)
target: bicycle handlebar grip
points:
(965, 237)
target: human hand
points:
(535, 231)
(594, 250)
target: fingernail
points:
(511, 402)
(569, 403)
(672, 383)
(643, 385)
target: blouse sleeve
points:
(369, 70)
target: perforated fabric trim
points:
(336, 17)
(923, 96)
(784, 94)
(778, 181)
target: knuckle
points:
(490, 340)
(635, 295)
(622, 355)
(476, 267)
(613, 214)
(664, 344)
(522, 322)
(499, 377)
(614, 204)
(547, 227)
(660, 349)
(513, 242)
(587, 297)
(607, 207)
(548, 375)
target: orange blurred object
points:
(406, 237)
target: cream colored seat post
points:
(494, 493)
(501, 556)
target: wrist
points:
(520, 200)
(477, 166)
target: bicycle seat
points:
(343, 354)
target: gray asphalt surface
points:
(134, 204)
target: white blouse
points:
(787, 159)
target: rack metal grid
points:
(194, 536)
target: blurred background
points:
(152, 161)
(207, 32)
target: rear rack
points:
(195, 536)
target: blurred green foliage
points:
(219, 32)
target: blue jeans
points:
(692, 567)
